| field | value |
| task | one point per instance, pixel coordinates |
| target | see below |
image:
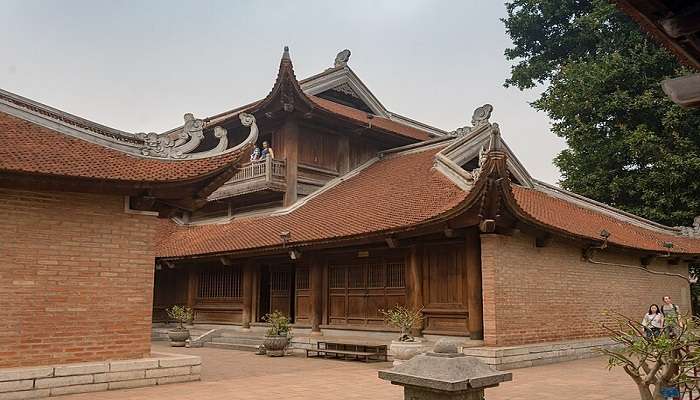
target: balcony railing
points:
(255, 176)
(268, 170)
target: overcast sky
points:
(140, 65)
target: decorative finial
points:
(479, 118)
(342, 58)
(285, 55)
(481, 115)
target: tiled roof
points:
(400, 192)
(396, 192)
(379, 122)
(571, 218)
(26, 147)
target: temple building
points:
(350, 209)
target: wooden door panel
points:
(336, 309)
(281, 289)
(365, 288)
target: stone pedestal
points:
(444, 374)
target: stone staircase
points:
(235, 340)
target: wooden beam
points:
(474, 287)
(647, 260)
(682, 25)
(392, 242)
(487, 226)
(543, 240)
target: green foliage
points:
(279, 324)
(403, 318)
(180, 314)
(655, 362)
(628, 144)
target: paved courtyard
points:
(233, 375)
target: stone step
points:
(238, 340)
(232, 346)
(238, 334)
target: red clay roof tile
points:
(395, 192)
(584, 222)
(30, 148)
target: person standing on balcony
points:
(255, 155)
(267, 152)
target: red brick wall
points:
(76, 278)
(549, 294)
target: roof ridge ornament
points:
(178, 144)
(480, 117)
(342, 58)
(691, 231)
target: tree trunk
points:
(644, 392)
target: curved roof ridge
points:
(605, 208)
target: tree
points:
(655, 363)
(628, 145)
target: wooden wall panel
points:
(318, 149)
(445, 289)
(360, 152)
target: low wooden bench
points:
(358, 351)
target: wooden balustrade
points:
(265, 169)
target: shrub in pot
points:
(278, 332)
(406, 347)
(181, 315)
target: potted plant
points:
(181, 315)
(406, 347)
(277, 337)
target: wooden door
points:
(358, 291)
(281, 289)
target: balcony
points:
(268, 176)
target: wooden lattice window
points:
(376, 274)
(356, 277)
(302, 277)
(336, 277)
(219, 283)
(279, 280)
(395, 275)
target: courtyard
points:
(236, 375)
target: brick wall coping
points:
(61, 379)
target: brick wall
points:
(76, 278)
(549, 294)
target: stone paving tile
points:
(233, 375)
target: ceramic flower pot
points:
(178, 337)
(404, 351)
(275, 345)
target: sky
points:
(139, 66)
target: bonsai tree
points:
(655, 363)
(403, 318)
(181, 315)
(279, 324)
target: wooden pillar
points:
(414, 283)
(191, 286)
(290, 133)
(247, 316)
(474, 289)
(316, 276)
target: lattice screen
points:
(220, 283)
